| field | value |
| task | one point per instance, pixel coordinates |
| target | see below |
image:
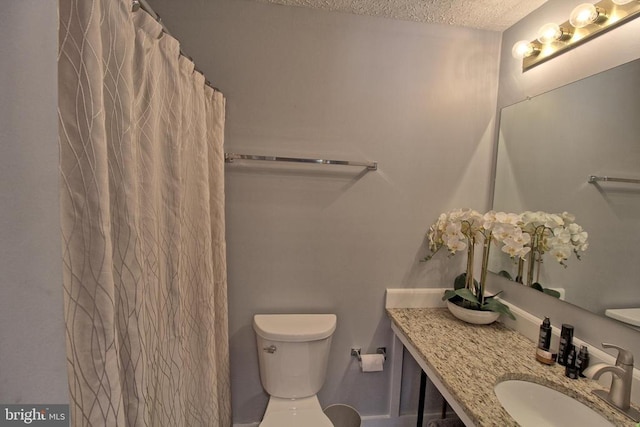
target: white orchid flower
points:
(453, 228)
(562, 235)
(509, 218)
(521, 238)
(454, 243)
(554, 220)
(514, 249)
(501, 232)
(561, 253)
(567, 217)
(489, 219)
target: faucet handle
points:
(625, 357)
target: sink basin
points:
(630, 316)
(535, 405)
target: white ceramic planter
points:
(476, 317)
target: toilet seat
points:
(305, 412)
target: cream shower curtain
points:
(142, 211)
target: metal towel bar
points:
(593, 179)
(230, 157)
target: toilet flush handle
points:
(271, 349)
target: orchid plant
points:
(556, 234)
(461, 229)
(528, 235)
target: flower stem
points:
(470, 255)
(520, 270)
(531, 266)
(486, 247)
(535, 242)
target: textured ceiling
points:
(494, 15)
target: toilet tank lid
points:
(294, 327)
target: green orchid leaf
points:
(492, 296)
(463, 293)
(449, 294)
(466, 294)
(506, 274)
(538, 287)
(459, 282)
(551, 292)
(498, 307)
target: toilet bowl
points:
(305, 412)
(293, 351)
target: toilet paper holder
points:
(357, 352)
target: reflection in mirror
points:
(548, 146)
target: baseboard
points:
(380, 421)
(401, 421)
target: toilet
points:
(293, 350)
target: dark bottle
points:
(582, 360)
(570, 369)
(572, 372)
(566, 338)
(544, 339)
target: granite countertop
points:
(470, 359)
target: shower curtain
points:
(142, 213)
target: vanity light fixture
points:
(550, 33)
(585, 14)
(586, 22)
(524, 49)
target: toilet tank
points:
(293, 350)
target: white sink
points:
(630, 316)
(534, 405)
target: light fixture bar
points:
(616, 15)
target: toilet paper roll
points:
(372, 362)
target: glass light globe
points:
(621, 2)
(583, 15)
(549, 33)
(522, 49)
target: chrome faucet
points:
(619, 395)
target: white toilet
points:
(293, 350)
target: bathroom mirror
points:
(548, 146)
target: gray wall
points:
(609, 50)
(419, 99)
(32, 346)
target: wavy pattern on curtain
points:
(142, 199)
